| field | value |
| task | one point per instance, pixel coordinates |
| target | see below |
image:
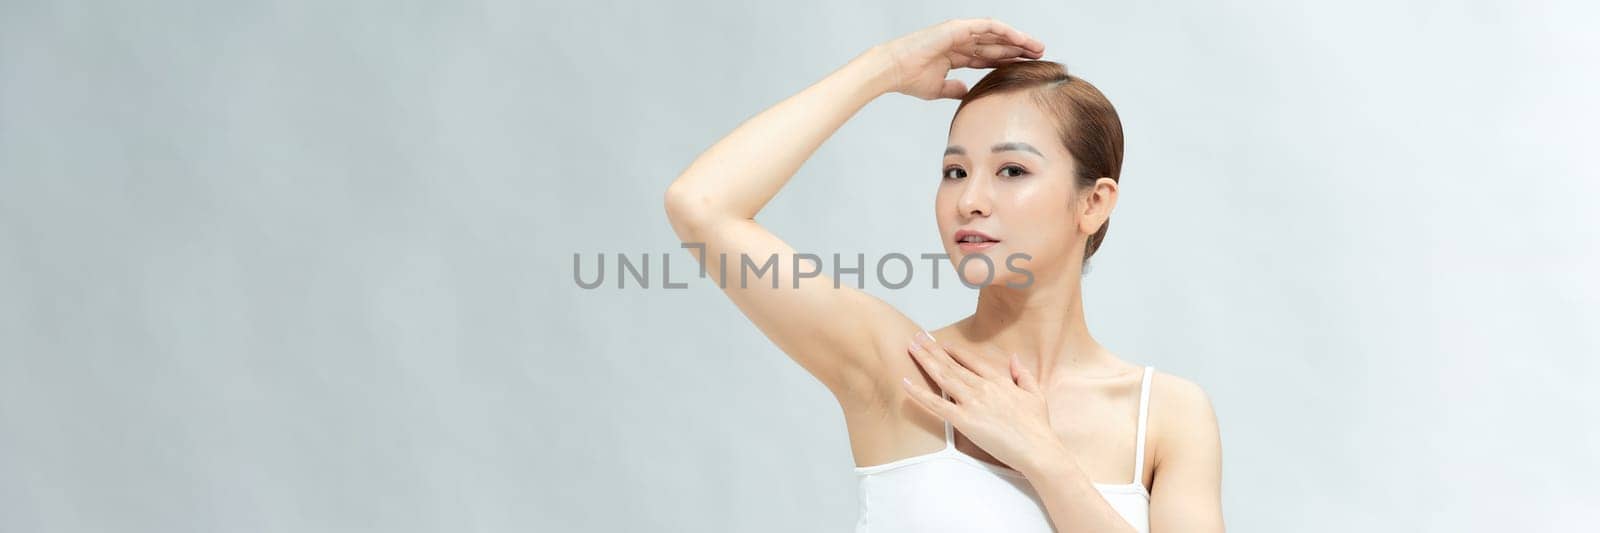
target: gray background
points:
(307, 266)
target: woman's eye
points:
(1017, 171)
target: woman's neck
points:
(1044, 325)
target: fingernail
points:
(905, 380)
(923, 337)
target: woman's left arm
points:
(1005, 414)
(1188, 487)
(1069, 497)
(1187, 491)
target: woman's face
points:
(1007, 176)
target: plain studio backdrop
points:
(309, 266)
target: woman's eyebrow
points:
(1002, 147)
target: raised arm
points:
(839, 335)
(714, 202)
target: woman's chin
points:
(991, 267)
(976, 272)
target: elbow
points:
(686, 210)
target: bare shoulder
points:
(1186, 484)
(1176, 394)
(1183, 422)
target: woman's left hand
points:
(1002, 412)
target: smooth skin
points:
(1029, 387)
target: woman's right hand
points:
(919, 61)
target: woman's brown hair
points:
(1085, 120)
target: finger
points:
(990, 38)
(1000, 51)
(1013, 35)
(988, 58)
(971, 362)
(995, 38)
(1023, 377)
(951, 367)
(953, 89)
(968, 62)
(988, 53)
(938, 371)
(925, 397)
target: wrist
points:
(875, 68)
(1051, 461)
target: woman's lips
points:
(971, 240)
(976, 246)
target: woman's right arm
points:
(842, 336)
(827, 331)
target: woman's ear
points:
(1096, 204)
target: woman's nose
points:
(974, 199)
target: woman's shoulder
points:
(1175, 390)
(1181, 416)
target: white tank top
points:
(948, 490)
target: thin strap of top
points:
(949, 432)
(1144, 415)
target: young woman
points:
(1015, 418)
